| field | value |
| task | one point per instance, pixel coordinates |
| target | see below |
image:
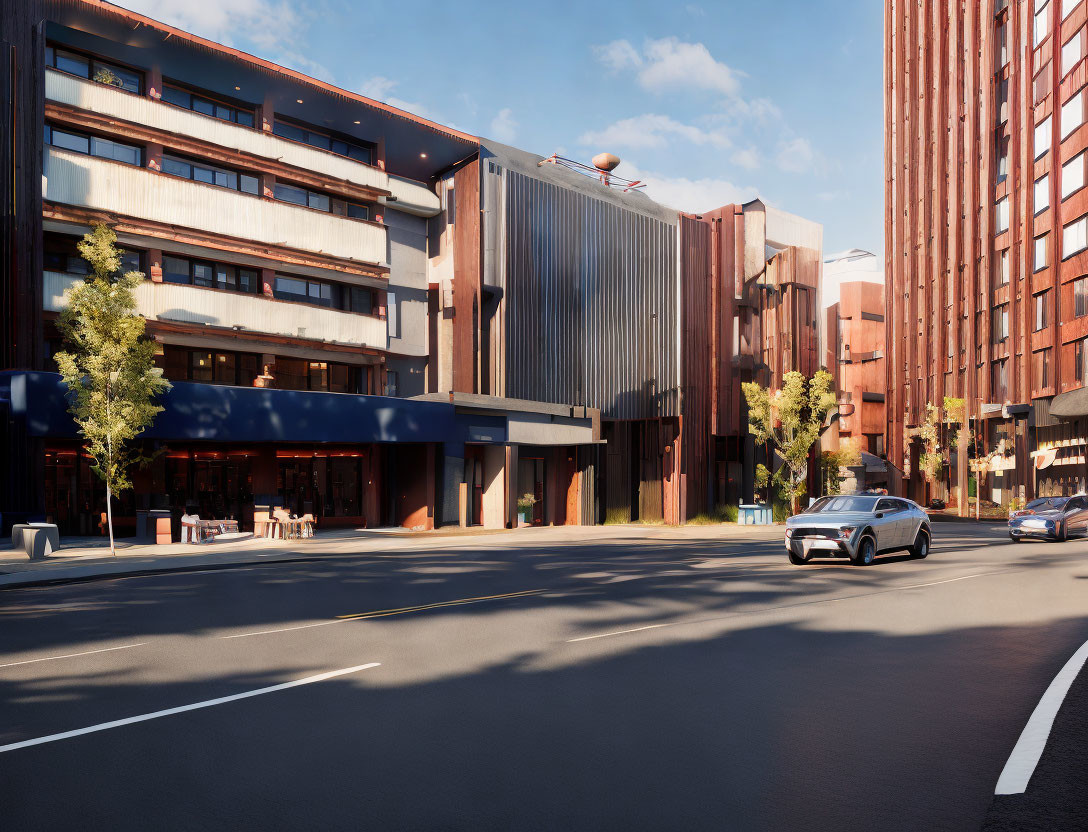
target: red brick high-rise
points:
(987, 234)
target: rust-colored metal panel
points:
(467, 279)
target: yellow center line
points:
(401, 610)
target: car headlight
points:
(846, 531)
(789, 532)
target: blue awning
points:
(214, 413)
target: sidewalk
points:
(84, 559)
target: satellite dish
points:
(605, 162)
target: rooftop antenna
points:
(603, 165)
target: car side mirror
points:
(879, 515)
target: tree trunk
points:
(109, 520)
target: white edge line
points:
(620, 632)
(74, 655)
(1029, 748)
(117, 723)
(286, 629)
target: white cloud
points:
(671, 63)
(690, 195)
(504, 128)
(747, 158)
(795, 155)
(617, 55)
(651, 131)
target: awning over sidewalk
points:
(1071, 405)
(217, 413)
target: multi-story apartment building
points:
(987, 249)
(366, 315)
(853, 305)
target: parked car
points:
(1051, 518)
(937, 504)
(858, 527)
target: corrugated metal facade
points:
(590, 298)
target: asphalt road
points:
(672, 682)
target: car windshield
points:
(1047, 503)
(843, 504)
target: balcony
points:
(252, 313)
(109, 101)
(75, 179)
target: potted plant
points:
(525, 509)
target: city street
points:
(655, 678)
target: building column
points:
(962, 470)
(452, 472)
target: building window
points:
(391, 314)
(1042, 193)
(325, 141)
(1080, 360)
(1003, 268)
(1002, 159)
(1072, 52)
(999, 380)
(1040, 369)
(1072, 113)
(1003, 101)
(1040, 253)
(209, 275)
(1080, 297)
(1042, 311)
(1068, 6)
(93, 69)
(210, 175)
(1001, 219)
(1042, 137)
(60, 254)
(1073, 175)
(1075, 237)
(324, 376)
(93, 145)
(231, 368)
(319, 201)
(1041, 85)
(1042, 20)
(392, 383)
(197, 103)
(1001, 45)
(999, 324)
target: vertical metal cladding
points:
(590, 295)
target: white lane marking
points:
(287, 629)
(950, 580)
(73, 655)
(617, 633)
(1025, 754)
(117, 723)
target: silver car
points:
(858, 527)
(1053, 518)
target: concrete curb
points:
(1043, 788)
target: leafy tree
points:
(791, 421)
(109, 370)
(931, 460)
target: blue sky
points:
(709, 103)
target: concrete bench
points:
(38, 540)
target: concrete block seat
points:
(38, 540)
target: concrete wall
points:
(408, 282)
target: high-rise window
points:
(210, 174)
(1001, 45)
(1075, 236)
(1042, 311)
(1080, 297)
(1072, 52)
(1003, 101)
(1040, 369)
(1042, 137)
(1042, 20)
(1003, 268)
(999, 323)
(1072, 113)
(198, 103)
(1068, 6)
(93, 69)
(1080, 360)
(93, 145)
(1040, 253)
(1042, 193)
(999, 380)
(1001, 218)
(1002, 159)
(1073, 175)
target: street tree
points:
(790, 420)
(109, 365)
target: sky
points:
(707, 103)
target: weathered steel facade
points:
(984, 114)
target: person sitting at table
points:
(190, 526)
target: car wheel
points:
(1014, 538)
(795, 558)
(921, 546)
(866, 552)
(1060, 535)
